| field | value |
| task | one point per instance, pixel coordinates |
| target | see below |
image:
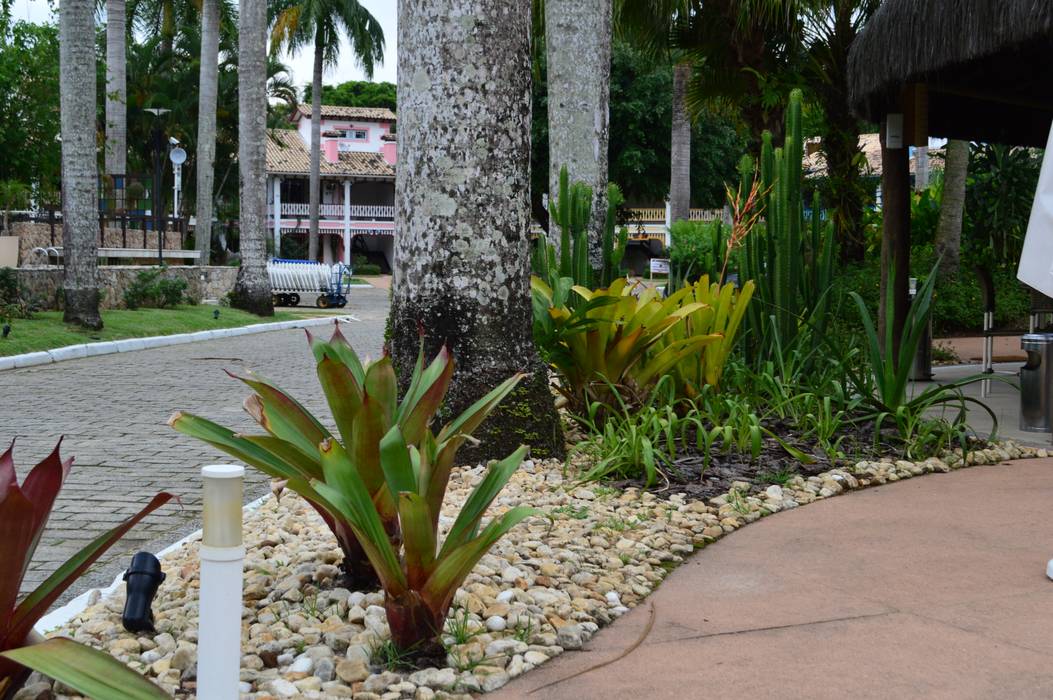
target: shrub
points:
(24, 512)
(150, 289)
(696, 249)
(367, 269)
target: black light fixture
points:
(215, 314)
(142, 577)
(7, 329)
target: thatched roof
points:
(986, 64)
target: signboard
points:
(659, 266)
(1036, 259)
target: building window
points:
(356, 134)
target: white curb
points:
(60, 616)
(76, 352)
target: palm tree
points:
(80, 284)
(578, 51)
(252, 291)
(320, 24)
(116, 159)
(650, 25)
(475, 300)
(949, 227)
(206, 127)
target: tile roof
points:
(287, 154)
(369, 114)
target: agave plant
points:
(616, 338)
(24, 512)
(363, 399)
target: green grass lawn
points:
(46, 331)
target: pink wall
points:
(330, 150)
(390, 152)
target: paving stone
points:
(112, 411)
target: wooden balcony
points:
(359, 212)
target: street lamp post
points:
(160, 145)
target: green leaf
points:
(397, 464)
(91, 672)
(418, 538)
(467, 523)
(343, 392)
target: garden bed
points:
(591, 553)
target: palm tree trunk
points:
(949, 228)
(80, 223)
(206, 127)
(463, 189)
(315, 185)
(116, 159)
(252, 291)
(680, 148)
(578, 47)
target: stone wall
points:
(42, 285)
(34, 234)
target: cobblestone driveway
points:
(112, 411)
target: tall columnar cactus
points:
(792, 274)
(571, 213)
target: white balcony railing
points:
(336, 211)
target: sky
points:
(384, 10)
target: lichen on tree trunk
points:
(578, 57)
(80, 225)
(252, 291)
(462, 253)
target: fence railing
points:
(336, 211)
(656, 215)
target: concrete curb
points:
(76, 352)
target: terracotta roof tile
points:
(287, 154)
(369, 114)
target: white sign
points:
(1036, 259)
(893, 131)
(659, 266)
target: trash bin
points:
(921, 370)
(1036, 383)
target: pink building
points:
(357, 213)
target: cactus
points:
(793, 272)
(571, 212)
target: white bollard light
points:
(219, 613)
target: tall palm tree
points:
(80, 284)
(252, 291)
(650, 26)
(206, 127)
(949, 227)
(578, 51)
(116, 158)
(475, 300)
(320, 24)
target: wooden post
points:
(895, 232)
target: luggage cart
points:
(292, 278)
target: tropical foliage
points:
(364, 402)
(24, 512)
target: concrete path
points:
(932, 587)
(112, 411)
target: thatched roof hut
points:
(980, 70)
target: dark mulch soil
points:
(774, 465)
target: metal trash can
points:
(1036, 383)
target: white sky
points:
(384, 10)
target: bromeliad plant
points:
(717, 310)
(24, 512)
(364, 402)
(616, 338)
(419, 580)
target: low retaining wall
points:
(42, 285)
(34, 234)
